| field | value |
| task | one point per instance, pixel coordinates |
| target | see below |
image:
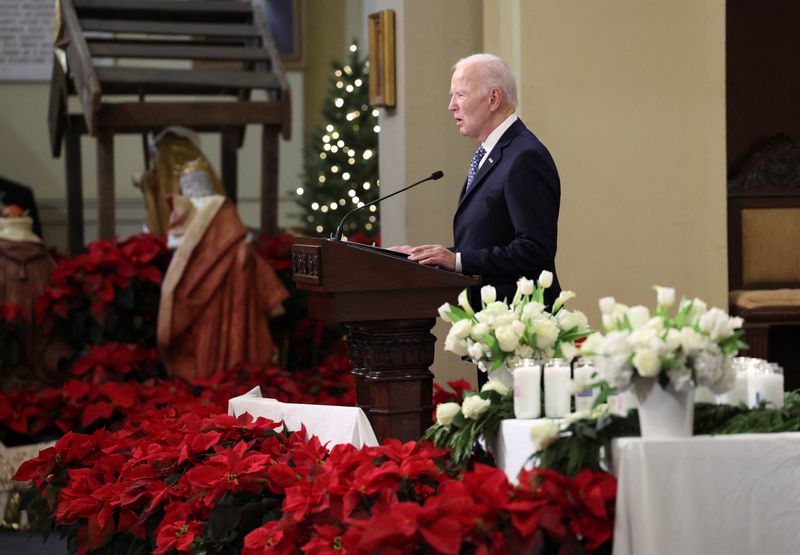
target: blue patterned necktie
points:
(473, 166)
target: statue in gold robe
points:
(218, 293)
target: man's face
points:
(469, 107)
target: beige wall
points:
(628, 96)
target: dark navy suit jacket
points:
(506, 225)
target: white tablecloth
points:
(331, 424)
(708, 495)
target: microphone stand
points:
(438, 174)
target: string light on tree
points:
(341, 162)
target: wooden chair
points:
(764, 242)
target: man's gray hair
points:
(493, 73)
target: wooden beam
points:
(127, 80)
(106, 218)
(80, 65)
(135, 9)
(229, 162)
(168, 28)
(74, 175)
(57, 111)
(136, 116)
(269, 179)
(141, 49)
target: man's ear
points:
(495, 99)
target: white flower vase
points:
(664, 412)
(503, 375)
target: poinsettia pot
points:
(664, 411)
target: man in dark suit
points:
(506, 223)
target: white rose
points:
(572, 319)
(444, 313)
(665, 295)
(473, 406)
(695, 312)
(607, 304)
(532, 310)
(507, 338)
(479, 330)
(461, 329)
(545, 279)
(445, 412)
(680, 378)
(496, 385)
(518, 327)
(476, 351)
(592, 343)
(691, 341)
(544, 432)
(455, 345)
(647, 363)
(488, 294)
(638, 316)
(568, 350)
(525, 286)
(546, 333)
(716, 323)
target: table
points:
(513, 445)
(704, 494)
(331, 424)
(708, 494)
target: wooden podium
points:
(388, 306)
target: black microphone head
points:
(438, 174)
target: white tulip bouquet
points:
(502, 333)
(693, 348)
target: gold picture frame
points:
(382, 87)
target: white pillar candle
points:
(585, 375)
(765, 387)
(738, 394)
(528, 390)
(556, 388)
(620, 403)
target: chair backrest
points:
(764, 219)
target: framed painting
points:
(286, 20)
(382, 87)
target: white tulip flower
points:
(444, 313)
(525, 286)
(488, 294)
(607, 304)
(665, 296)
(463, 301)
(563, 297)
(545, 279)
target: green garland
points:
(582, 443)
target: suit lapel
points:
(491, 161)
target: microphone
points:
(438, 174)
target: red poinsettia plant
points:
(189, 483)
(109, 293)
(12, 334)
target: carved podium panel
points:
(388, 306)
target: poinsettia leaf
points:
(222, 520)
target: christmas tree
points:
(341, 165)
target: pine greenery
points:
(341, 162)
